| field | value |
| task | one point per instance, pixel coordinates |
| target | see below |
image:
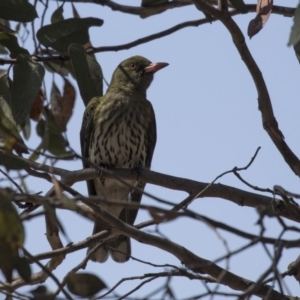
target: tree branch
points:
(152, 10)
(87, 212)
(271, 206)
(189, 259)
(285, 11)
(268, 119)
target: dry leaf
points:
(37, 106)
(263, 10)
(84, 284)
(62, 106)
(75, 12)
(158, 218)
(11, 143)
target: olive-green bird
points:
(119, 131)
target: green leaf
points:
(35, 155)
(5, 83)
(7, 126)
(84, 284)
(42, 292)
(9, 131)
(26, 128)
(96, 74)
(17, 10)
(27, 81)
(61, 34)
(57, 15)
(7, 121)
(295, 33)
(9, 136)
(11, 228)
(239, 5)
(11, 234)
(11, 43)
(53, 140)
(23, 267)
(88, 73)
(297, 50)
(11, 162)
(57, 67)
(5, 28)
(3, 50)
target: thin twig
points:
(47, 271)
(264, 101)
(12, 181)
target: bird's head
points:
(135, 73)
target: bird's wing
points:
(151, 137)
(85, 138)
(129, 215)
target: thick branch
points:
(189, 259)
(271, 206)
(87, 212)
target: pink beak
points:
(153, 67)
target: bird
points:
(119, 131)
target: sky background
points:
(207, 122)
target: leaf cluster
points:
(23, 99)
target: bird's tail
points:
(123, 248)
(121, 244)
(101, 255)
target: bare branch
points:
(285, 11)
(152, 10)
(189, 259)
(143, 12)
(50, 274)
(271, 206)
(268, 119)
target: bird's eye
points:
(133, 66)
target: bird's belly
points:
(120, 147)
(114, 190)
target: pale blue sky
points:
(207, 122)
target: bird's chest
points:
(120, 140)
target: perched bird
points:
(119, 131)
